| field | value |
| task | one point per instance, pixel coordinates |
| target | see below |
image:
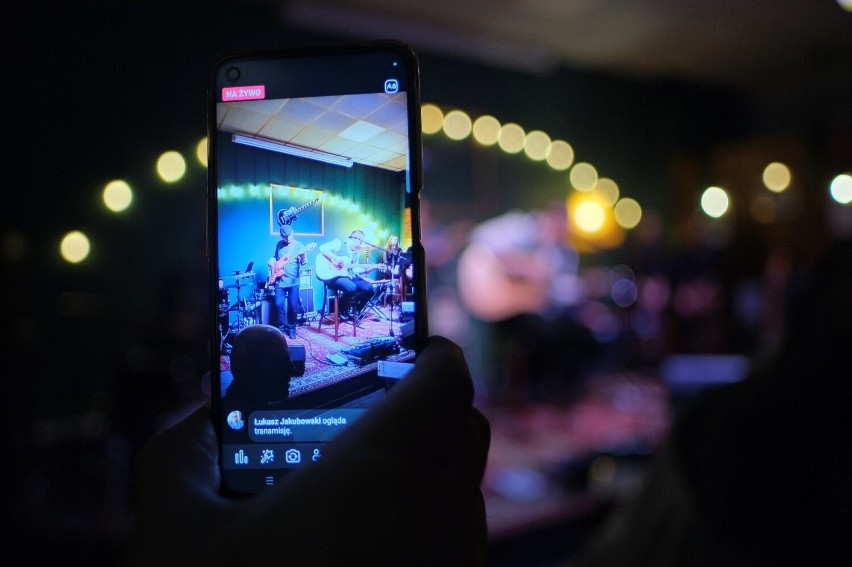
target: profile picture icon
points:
(235, 420)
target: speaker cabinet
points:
(306, 297)
(297, 356)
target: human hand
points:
(399, 486)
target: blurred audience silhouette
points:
(757, 473)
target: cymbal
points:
(245, 275)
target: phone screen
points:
(313, 229)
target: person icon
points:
(235, 420)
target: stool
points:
(331, 295)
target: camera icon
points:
(293, 456)
(391, 86)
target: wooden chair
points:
(331, 297)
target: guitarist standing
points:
(342, 263)
(285, 268)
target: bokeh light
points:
(589, 216)
(117, 195)
(777, 177)
(171, 166)
(607, 190)
(75, 247)
(715, 202)
(457, 125)
(201, 151)
(486, 130)
(583, 176)
(431, 119)
(627, 213)
(561, 155)
(841, 189)
(537, 145)
(512, 138)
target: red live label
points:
(243, 93)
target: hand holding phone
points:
(317, 144)
(400, 485)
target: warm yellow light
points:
(776, 177)
(561, 155)
(583, 176)
(431, 119)
(486, 130)
(607, 190)
(627, 213)
(201, 151)
(457, 125)
(841, 189)
(511, 138)
(537, 145)
(74, 247)
(589, 216)
(117, 195)
(171, 166)
(715, 202)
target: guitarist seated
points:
(338, 265)
(284, 271)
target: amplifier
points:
(306, 297)
(297, 357)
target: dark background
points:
(100, 355)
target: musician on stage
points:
(285, 269)
(390, 255)
(394, 265)
(342, 263)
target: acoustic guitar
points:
(494, 287)
(341, 266)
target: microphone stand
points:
(393, 267)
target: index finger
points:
(430, 408)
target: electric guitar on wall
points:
(276, 267)
(287, 216)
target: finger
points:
(180, 462)
(179, 508)
(426, 409)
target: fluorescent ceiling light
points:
(297, 151)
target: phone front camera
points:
(232, 74)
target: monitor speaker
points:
(297, 356)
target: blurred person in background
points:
(757, 473)
(518, 275)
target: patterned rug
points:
(320, 344)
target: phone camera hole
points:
(232, 74)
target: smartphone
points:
(314, 184)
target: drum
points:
(223, 309)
